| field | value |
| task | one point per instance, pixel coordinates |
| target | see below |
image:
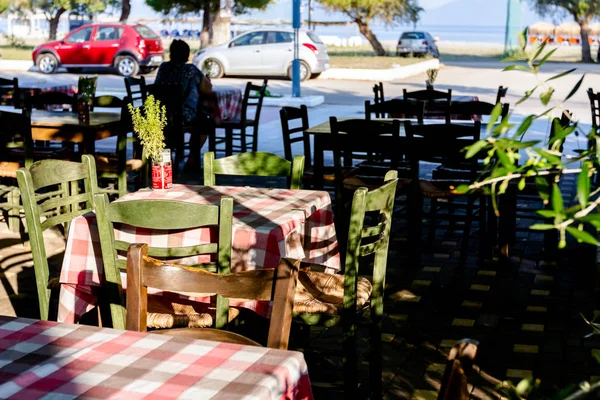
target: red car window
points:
(81, 36)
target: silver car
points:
(417, 43)
(267, 51)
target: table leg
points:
(319, 162)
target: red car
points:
(130, 49)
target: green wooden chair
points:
(115, 166)
(254, 164)
(330, 300)
(52, 196)
(163, 215)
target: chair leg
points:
(350, 361)
(432, 221)
(483, 245)
(228, 142)
(255, 138)
(14, 214)
(122, 183)
(376, 362)
(243, 144)
(467, 230)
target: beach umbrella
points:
(542, 28)
(594, 29)
(568, 29)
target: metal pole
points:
(296, 63)
(310, 10)
(513, 26)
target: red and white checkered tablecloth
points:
(264, 221)
(43, 359)
(226, 106)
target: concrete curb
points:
(16, 65)
(384, 75)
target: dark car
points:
(418, 44)
(128, 48)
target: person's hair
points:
(180, 51)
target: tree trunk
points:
(54, 20)
(205, 36)
(364, 29)
(125, 10)
(586, 55)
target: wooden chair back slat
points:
(137, 89)
(254, 164)
(296, 134)
(407, 108)
(173, 252)
(46, 173)
(163, 215)
(427, 95)
(70, 177)
(277, 285)
(595, 107)
(253, 98)
(151, 215)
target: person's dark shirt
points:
(189, 77)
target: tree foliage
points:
(54, 9)
(362, 12)
(546, 162)
(582, 12)
(195, 6)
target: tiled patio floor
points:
(526, 315)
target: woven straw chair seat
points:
(108, 163)
(165, 312)
(440, 188)
(322, 293)
(9, 169)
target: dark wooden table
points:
(63, 126)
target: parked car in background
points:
(127, 48)
(267, 51)
(417, 44)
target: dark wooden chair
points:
(236, 131)
(9, 89)
(164, 215)
(291, 135)
(330, 300)
(354, 142)
(395, 108)
(53, 193)
(114, 167)
(378, 96)
(443, 144)
(501, 94)
(458, 367)
(277, 285)
(254, 164)
(136, 89)
(15, 135)
(437, 103)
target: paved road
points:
(480, 78)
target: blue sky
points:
(437, 12)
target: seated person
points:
(192, 80)
(194, 85)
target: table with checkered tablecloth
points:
(43, 359)
(35, 88)
(225, 105)
(266, 223)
